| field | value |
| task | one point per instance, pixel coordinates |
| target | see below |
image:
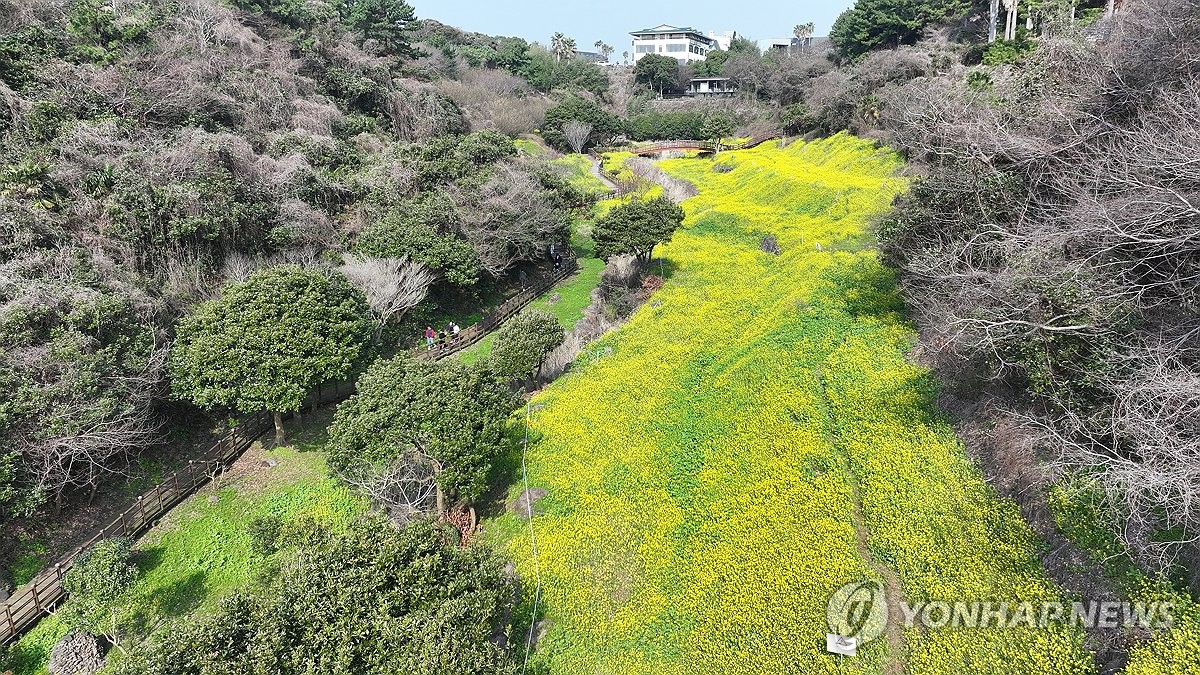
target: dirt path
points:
(894, 632)
(598, 174)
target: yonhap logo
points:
(858, 611)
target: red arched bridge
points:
(702, 146)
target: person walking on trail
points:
(557, 262)
(453, 332)
(441, 340)
(429, 337)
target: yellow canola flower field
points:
(705, 467)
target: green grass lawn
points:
(201, 551)
(566, 300)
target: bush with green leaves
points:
(636, 228)
(523, 343)
(376, 600)
(886, 24)
(264, 533)
(269, 340)
(445, 415)
(99, 586)
(78, 366)
(424, 229)
(449, 158)
(656, 71)
(605, 125)
(662, 126)
(102, 34)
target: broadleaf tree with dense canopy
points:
(636, 228)
(409, 414)
(886, 24)
(523, 343)
(657, 72)
(376, 600)
(268, 341)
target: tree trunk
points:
(278, 427)
(1110, 9)
(441, 502)
(994, 21)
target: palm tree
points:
(562, 47)
(557, 45)
(803, 31)
(604, 49)
(625, 57)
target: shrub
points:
(99, 585)
(374, 600)
(409, 414)
(267, 341)
(264, 534)
(605, 126)
(523, 343)
(636, 228)
(422, 231)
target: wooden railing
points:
(705, 146)
(493, 319)
(37, 598)
(45, 591)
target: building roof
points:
(665, 28)
(708, 79)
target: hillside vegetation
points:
(711, 470)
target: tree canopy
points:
(376, 600)
(99, 585)
(416, 411)
(388, 21)
(268, 341)
(524, 341)
(656, 71)
(605, 125)
(879, 24)
(636, 228)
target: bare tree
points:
(1055, 245)
(393, 286)
(104, 441)
(577, 134)
(509, 218)
(676, 189)
(407, 489)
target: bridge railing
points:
(687, 144)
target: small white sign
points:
(840, 644)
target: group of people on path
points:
(440, 339)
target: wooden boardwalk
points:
(509, 308)
(44, 592)
(37, 598)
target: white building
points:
(709, 87)
(682, 44)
